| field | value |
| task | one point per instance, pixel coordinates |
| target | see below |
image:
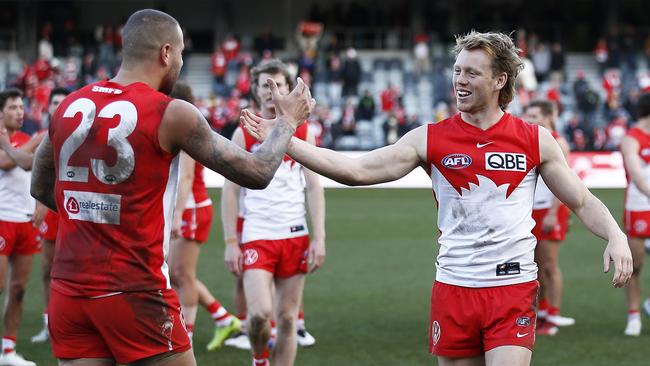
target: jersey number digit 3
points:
(117, 139)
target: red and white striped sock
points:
(8, 344)
(219, 314)
(261, 359)
(300, 324)
(633, 314)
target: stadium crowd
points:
(594, 114)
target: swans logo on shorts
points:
(640, 226)
(250, 256)
(3, 243)
(435, 332)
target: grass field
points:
(368, 305)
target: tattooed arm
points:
(42, 187)
(184, 128)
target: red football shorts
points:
(467, 322)
(49, 226)
(125, 327)
(637, 223)
(561, 227)
(18, 238)
(284, 258)
(196, 223)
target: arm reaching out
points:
(23, 156)
(566, 186)
(381, 165)
(229, 212)
(184, 128)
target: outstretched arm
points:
(378, 166)
(184, 128)
(566, 186)
(42, 186)
(316, 206)
(229, 213)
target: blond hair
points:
(504, 54)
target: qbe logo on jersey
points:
(505, 161)
(100, 208)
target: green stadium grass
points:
(369, 303)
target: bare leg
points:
(168, 359)
(240, 297)
(552, 274)
(289, 295)
(184, 255)
(461, 361)
(21, 266)
(258, 284)
(508, 356)
(46, 266)
(633, 288)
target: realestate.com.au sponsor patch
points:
(100, 208)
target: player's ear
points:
(166, 54)
(500, 81)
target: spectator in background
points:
(230, 47)
(348, 119)
(557, 59)
(366, 107)
(388, 98)
(542, 61)
(421, 54)
(351, 73)
(335, 79)
(601, 54)
(587, 100)
(244, 81)
(615, 132)
(218, 71)
(88, 69)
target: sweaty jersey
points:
(16, 203)
(199, 194)
(634, 199)
(278, 211)
(484, 183)
(543, 195)
(115, 191)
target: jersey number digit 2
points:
(117, 135)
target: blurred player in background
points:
(276, 250)
(636, 156)
(18, 233)
(110, 167)
(190, 229)
(484, 164)
(551, 224)
(48, 228)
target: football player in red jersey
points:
(190, 229)
(111, 156)
(484, 164)
(551, 224)
(272, 257)
(48, 227)
(18, 236)
(636, 155)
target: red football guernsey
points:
(115, 191)
(484, 182)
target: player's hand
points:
(256, 126)
(548, 222)
(618, 251)
(176, 227)
(39, 214)
(295, 107)
(316, 254)
(233, 258)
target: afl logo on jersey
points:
(250, 256)
(456, 161)
(72, 206)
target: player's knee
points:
(259, 321)
(286, 319)
(636, 269)
(17, 291)
(180, 277)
